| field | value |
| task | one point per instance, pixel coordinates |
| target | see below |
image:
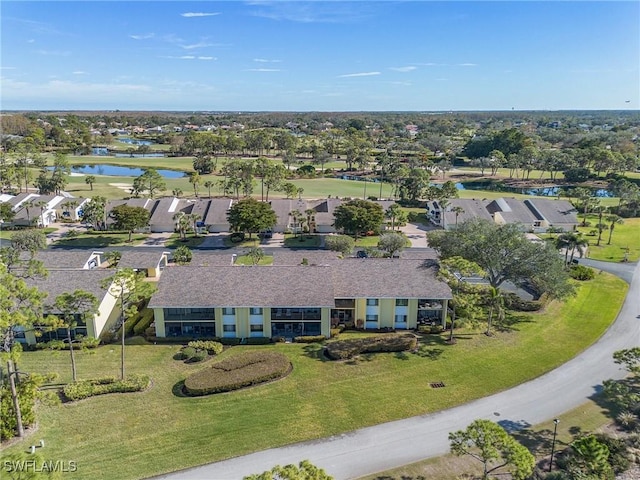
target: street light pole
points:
(553, 443)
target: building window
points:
(229, 328)
(256, 328)
(372, 318)
(228, 311)
(372, 302)
(402, 302)
(255, 311)
(401, 319)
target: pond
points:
(553, 191)
(120, 171)
(133, 141)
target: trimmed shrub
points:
(100, 386)
(580, 272)
(51, 345)
(310, 339)
(145, 321)
(199, 356)
(230, 341)
(213, 348)
(258, 341)
(237, 237)
(187, 352)
(278, 339)
(345, 349)
(238, 371)
(514, 302)
(335, 332)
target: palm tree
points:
(613, 221)
(495, 300)
(600, 209)
(193, 218)
(27, 206)
(296, 216)
(194, 179)
(571, 241)
(90, 180)
(392, 213)
(208, 184)
(458, 210)
(182, 224)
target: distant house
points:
(33, 209)
(67, 281)
(152, 263)
(534, 214)
(234, 301)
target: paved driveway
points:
(393, 444)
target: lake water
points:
(120, 171)
(133, 141)
(537, 191)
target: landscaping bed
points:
(238, 372)
(89, 388)
(346, 349)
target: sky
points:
(319, 55)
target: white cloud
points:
(142, 37)
(53, 53)
(263, 70)
(403, 69)
(80, 72)
(199, 14)
(188, 57)
(467, 65)
(207, 58)
(198, 45)
(264, 60)
(362, 74)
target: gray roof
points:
(164, 210)
(512, 210)
(266, 286)
(298, 286)
(136, 258)
(285, 256)
(68, 281)
(217, 213)
(63, 259)
(199, 207)
(388, 278)
(472, 208)
(211, 258)
(554, 211)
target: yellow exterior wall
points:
(360, 311)
(412, 313)
(266, 326)
(158, 315)
(387, 309)
(242, 322)
(325, 322)
(219, 329)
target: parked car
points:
(361, 254)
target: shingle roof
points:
(137, 258)
(298, 286)
(267, 286)
(294, 257)
(554, 211)
(388, 278)
(217, 213)
(512, 210)
(63, 259)
(67, 281)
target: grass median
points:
(157, 431)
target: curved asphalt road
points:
(393, 444)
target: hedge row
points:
(238, 371)
(100, 386)
(345, 349)
(222, 340)
(310, 339)
(213, 348)
(146, 319)
(80, 343)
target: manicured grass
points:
(302, 241)
(246, 260)
(176, 240)
(5, 234)
(319, 398)
(101, 239)
(587, 418)
(370, 241)
(626, 237)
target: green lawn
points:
(301, 241)
(157, 431)
(5, 234)
(587, 418)
(192, 241)
(247, 260)
(625, 237)
(101, 239)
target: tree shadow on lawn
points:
(178, 390)
(316, 351)
(511, 320)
